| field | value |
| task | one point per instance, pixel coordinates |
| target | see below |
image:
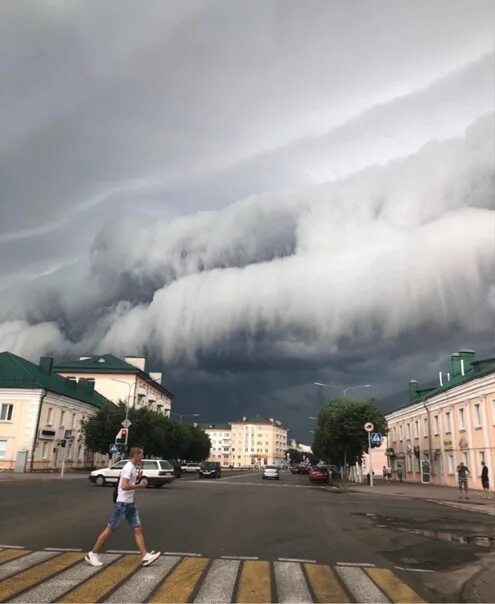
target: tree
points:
(340, 433)
(295, 456)
(159, 436)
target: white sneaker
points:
(93, 559)
(150, 558)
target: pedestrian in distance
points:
(384, 472)
(485, 481)
(125, 507)
(462, 473)
(400, 473)
(389, 473)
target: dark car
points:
(294, 469)
(210, 469)
(177, 467)
(304, 468)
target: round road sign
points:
(369, 427)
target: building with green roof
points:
(39, 412)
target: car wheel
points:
(145, 481)
(100, 480)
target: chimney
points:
(71, 382)
(413, 390)
(456, 364)
(466, 356)
(87, 386)
(156, 376)
(138, 362)
(46, 364)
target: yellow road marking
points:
(96, 587)
(27, 578)
(11, 554)
(179, 585)
(255, 583)
(393, 587)
(325, 584)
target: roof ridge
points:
(17, 360)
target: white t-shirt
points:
(129, 471)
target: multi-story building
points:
(443, 425)
(41, 414)
(120, 380)
(257, 441)
(220, 437)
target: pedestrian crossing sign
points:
(376, 439)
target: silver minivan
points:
(271, 473)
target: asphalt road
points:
(242, 515)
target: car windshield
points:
(165, 464)
(270, 468)
(208, 465)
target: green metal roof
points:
(105, 363)
(479, 369)
(16, 372)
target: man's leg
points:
(102, 538)
(139, 538)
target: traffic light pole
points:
(369, 459)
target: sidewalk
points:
(19, 476)
(423, 491)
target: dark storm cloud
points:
(241, 190)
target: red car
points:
(318, 474)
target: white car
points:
(156, 472)
(191, 467)
(271, 473)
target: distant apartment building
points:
(220, 437)
(443, 425)
(257, 441)
(120, 380)
(41, 414)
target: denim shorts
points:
(128, 511)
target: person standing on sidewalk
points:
(485, 481)
(462, 473)
(125, 508)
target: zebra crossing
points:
(63, 576)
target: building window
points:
(69, 450)
(477, 414)
(465, 459)
(416, 429)
(481, 456)
(409, 463)
(409, 431)
(462, 423)
(3, 449)
(448, 422)
(49, 416)
(425, 422)
(401, 432)
(62, 417)
(437, 425)
(451, 463)
(45, 450)
(6, 412)
(73, 424)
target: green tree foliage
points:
(295, 456)
(160, 436)
(340, 430)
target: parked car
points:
(294, 469)
(156, 472)
(304, 468)
(176, 466)
(318, 474)
(190, 467)
(210, 469)
(270, 473)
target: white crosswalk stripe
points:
(50, 576)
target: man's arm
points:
(127, 485)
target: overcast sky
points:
(255, 195)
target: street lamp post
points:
(344, 389)
(126, 421)
(181, 415)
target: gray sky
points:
(256, 195)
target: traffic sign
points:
(126, 423)
(112, 448)
(376, 438)
(369, 427)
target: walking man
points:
(400, 473)
(462, 473)
(485, 481)
(125, 508)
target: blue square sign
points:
(376, 439)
